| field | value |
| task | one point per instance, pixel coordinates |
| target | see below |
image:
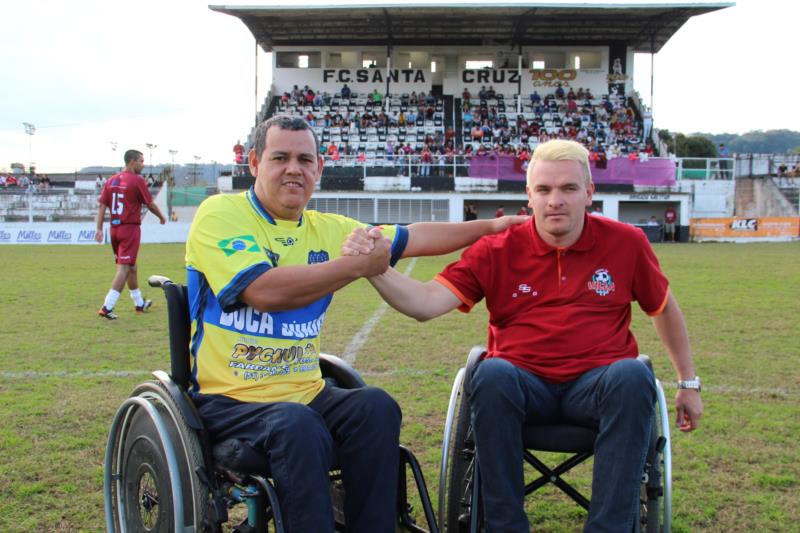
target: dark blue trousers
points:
(617, 399)
(357, 429)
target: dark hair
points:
(130, 155)
(283, 122)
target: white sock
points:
(111, 299)
(136, 296)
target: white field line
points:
(351, 352)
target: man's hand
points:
(503, 223)
(376, 261)
(361, 241)
(689, 409)
(163, 219)
(98, 236)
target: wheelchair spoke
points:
(148, 500)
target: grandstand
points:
(478, 87)
(423, 109)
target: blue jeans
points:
(359, 429)
(617, 399)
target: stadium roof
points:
(495, 24)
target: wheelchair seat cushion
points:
(559, 438)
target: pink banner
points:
(619, 170)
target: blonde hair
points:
(561, 150)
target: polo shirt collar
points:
(585, 241)
(258, 208)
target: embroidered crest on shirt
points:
(602, 283)
(524, 290)
(287, 241)
(317, 257)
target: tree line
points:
(752, 142)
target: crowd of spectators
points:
(34, 182)
(410, 129)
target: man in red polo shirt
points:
(559, 343)
(124, 194)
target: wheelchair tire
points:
(656, 492)
(456, 516)
(147, 495)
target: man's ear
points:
(252, 162)
(320, 165)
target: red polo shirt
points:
(560, 312)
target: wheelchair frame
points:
(200, 492)
(460, 505)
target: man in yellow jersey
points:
(261, 273)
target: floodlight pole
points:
(30, 129)
(113, 155)
(151, 147)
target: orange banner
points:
(710, 228)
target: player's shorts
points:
(125, 243)
(669, 227)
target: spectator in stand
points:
(124, 194)
(723, 152)
(345, 92)
(98, 183)
(375, 97)
(500, 212)
(319, 101)
(467, 118)
(430, 100)
(490, 94)
(535, 98)
(11, 181)
(309, 97)
(470, 212)
(477, 133)
(426, 158)
(523, 210)
(238, 152)
(670, 218)
(559, 92)
(483, 94)
(465, 95)
(333, 152)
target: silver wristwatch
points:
(692, 384)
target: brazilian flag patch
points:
(242, 243)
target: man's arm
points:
(98, 221)
(671, 329)
(432, 238)
(292, 287)
(414, 298)
(157, 212)
(436, 238)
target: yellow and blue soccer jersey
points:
(240, 352)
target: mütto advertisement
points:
(84, 233)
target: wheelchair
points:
(460, 504)
(163, 474)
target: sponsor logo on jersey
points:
(287, 241)
(317, 257)
(602, 283)
(242, 243)
(523, 289)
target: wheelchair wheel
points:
(656, 489)
(147, 496)
(458, 463)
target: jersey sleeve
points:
(225, 251)
(463, 277)
(650, 285)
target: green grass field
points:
(64, 373)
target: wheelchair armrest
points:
(344, 374)
(644, 358)
(475, 356)
(158, 281)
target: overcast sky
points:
(180, 76)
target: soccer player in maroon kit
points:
(124, 194)
(559, 292)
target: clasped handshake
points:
(373, 249)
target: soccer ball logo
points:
(602, 283)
